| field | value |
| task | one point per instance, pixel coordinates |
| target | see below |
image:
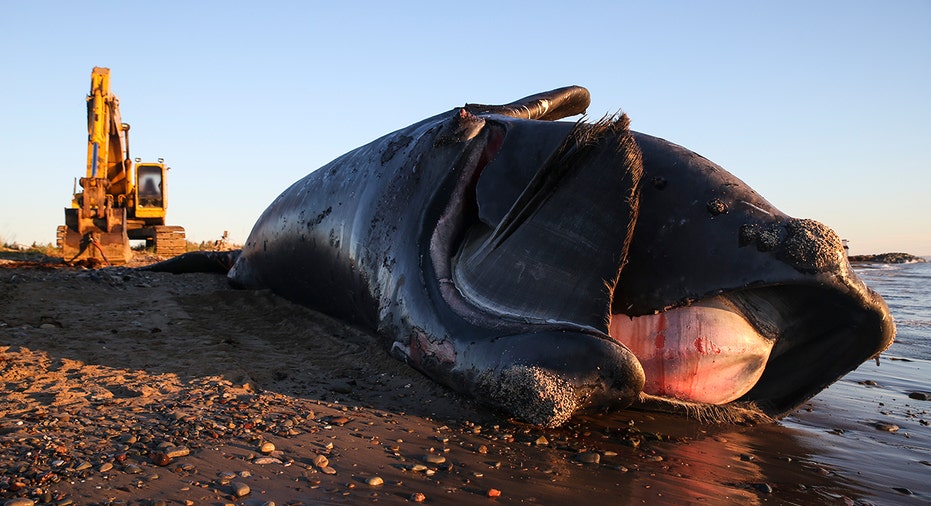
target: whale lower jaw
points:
(706, 352)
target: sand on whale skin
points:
(126, 387)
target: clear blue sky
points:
(823, 107)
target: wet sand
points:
(126, 387)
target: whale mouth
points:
(774, 345)
(706, 352)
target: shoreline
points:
(130, 387)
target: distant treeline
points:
(886, 258)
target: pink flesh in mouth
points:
(705, 352)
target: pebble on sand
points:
(886, 427)
(160, 459)
(240, 489)
(418, 497)
(588, 457)
(267, 447)
(375, 481)
(321, 461)
(174, 452)
(434, 459)
(19, 501)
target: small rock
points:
(541, 441)
(434, 459)
(266, 460)
(132, 469)
(240, 489)
(83, 465)
(588, 457)
(886, 427)
(493, 492)
(19, 501)
(418, 497)
(375, 481)
(267, 447)
(321, 461)
(328, 470)
(105, 467)
(177, 451)
(160, 459)
(920, 396)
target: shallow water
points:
(907, 290)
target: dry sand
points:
(127, 387)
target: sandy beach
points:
(128, 387)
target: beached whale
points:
(550, 267)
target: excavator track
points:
(169, 240)
(60, 234)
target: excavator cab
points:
(150, 192)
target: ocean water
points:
(907, 290)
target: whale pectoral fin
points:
(544, 378)
(548, 106)
(557, 253)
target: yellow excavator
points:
(120, 200)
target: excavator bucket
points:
(95, 238)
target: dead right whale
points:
(549, 268)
